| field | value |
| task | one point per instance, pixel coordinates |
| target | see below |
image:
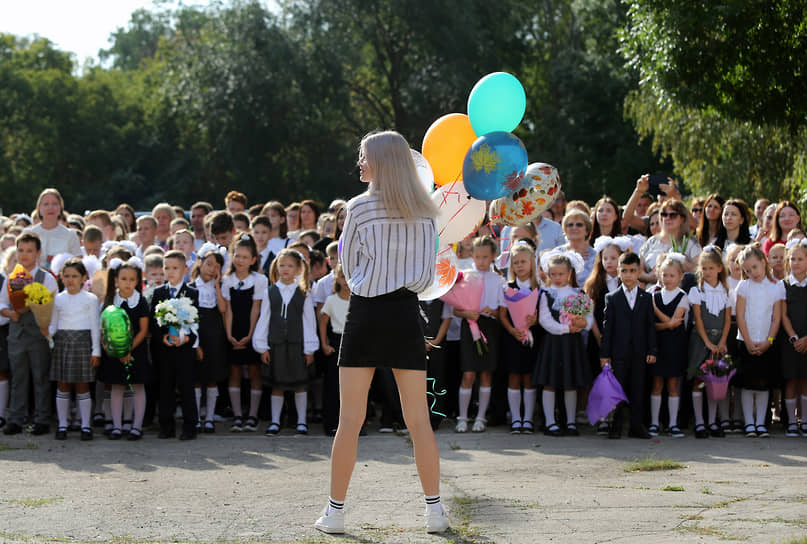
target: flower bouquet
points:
(179, 315)
(520, 304)
(606, 394)
(17, 281)
(467, 295)
(716, 375)
(40, 301)
(579, 305)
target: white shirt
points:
(55, 241)
(77, 312)
(793, 281)
(545, 317)
(48, 281)
(455, 327)
(253, 279)
(760, 298)
(262, 256)
(656, 246)
(611, 284)
(260, 339)
(335, 308)
(382, 252)
(276, 244)
(131, 302)
(668, 296)
(716, 298)
(733, 294)
(631, 294)
(493, 293)
(207, 293)
(323, 289)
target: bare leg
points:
(354, 383)
(412, 389)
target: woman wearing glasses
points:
(577, 228)
(674, 236)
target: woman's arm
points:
(629, 213)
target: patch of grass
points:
(29, 445)
(30, 502)
(691, 517)
(705, 530)
(672, 488)
(454, 446)
(462, 506)
(651, 464)
(796, 540)
(727, 502)
(611, 486)
(706, 491)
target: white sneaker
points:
(479, 426)
(462, 426)
(436, 522)
(332, 524)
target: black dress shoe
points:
(188, 435)
(330, 432)
(12, 428)
(167, 433)
(40, 428)
(638, 432)
(61, 434)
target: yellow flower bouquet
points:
(40, 300)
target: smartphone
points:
(655, 181)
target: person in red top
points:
(786, 218)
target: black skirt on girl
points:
(756, 372)
(241, 304)
(671, 361)
(114, 372)
(384, 331)
(213, 341)
(484, 356)
(794, 364)
(562, 363)
(521, 358)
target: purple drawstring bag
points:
(605, 394)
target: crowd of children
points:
(671, 289)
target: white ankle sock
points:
(570, 400)
(514, 401)
(277, 407)
(3, 397)
(197, 391)
(484, 400)
(697, 407)
(84, 408)
(62, 408)
(655, 408)
(301, 403)
(762, 407)
(465, 402)
(235, 400)
(334, 506)
(530, 396)
(212, 395)
(672, 407)
(548, 400)
(433, 504)
(254, 401)
(712, 407)
(748, 405)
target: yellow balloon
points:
(445, 145)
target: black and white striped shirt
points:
(382, 253)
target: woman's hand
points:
(643, 184)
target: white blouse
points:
(77, 312)
(716, 298)
(254, 279)
(760, 298)
(335, 308)
(260, 339)
(545, 314)
(207, 293)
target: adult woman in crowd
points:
(577, 228)
(56, 238)
(786, 218)
(127, 213)
(674, 236)
(766, 222)
(606, 219)
(163, 214)
(710, 224)
(698, 204)
(309, 215)
(735, 218)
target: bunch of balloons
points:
(478, 164)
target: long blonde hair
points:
(395, 176)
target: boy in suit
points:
(629, 342)
(176, 356)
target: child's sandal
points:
(515, 427)
(527, 427)
(750, 431)
(134, 434)
(115, 434)
(653, 430)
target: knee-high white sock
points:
(697, 407)
(301, 403)
(128, 408)
(723, 409)
(254, 401)
(85, 408)
(212, 395)
(484, 400)
(530, 396)
(570, 400)
(62, 408)
(747, 396)
(139, 405)
(198, 393)
(548, 400)
(712, 406)
(465, 402)
(803, 409)
(790, 406)
(672, 405)
(3, 397)
(762, 406)
(235, 400)
(277, 407)
(514, 401)
(655, 408)
(116, 405)
(108, 405)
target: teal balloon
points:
(495, 166)
(496, 103)
(116, 332)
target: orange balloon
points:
(445, 145)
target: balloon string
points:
(435, 394)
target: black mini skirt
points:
(384, 331)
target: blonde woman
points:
(383, 322)
(163, 214)
(56, 238)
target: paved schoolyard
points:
(499, 487)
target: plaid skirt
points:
(71, 357)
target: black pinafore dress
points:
(241, 304)
(671, 361)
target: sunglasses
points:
(697, 210)
(669, 214)
(578, 225)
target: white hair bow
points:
(622, 242)
(115, 263)
(675, 256)
(796, 242)
(577, 262)
(209, 246)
